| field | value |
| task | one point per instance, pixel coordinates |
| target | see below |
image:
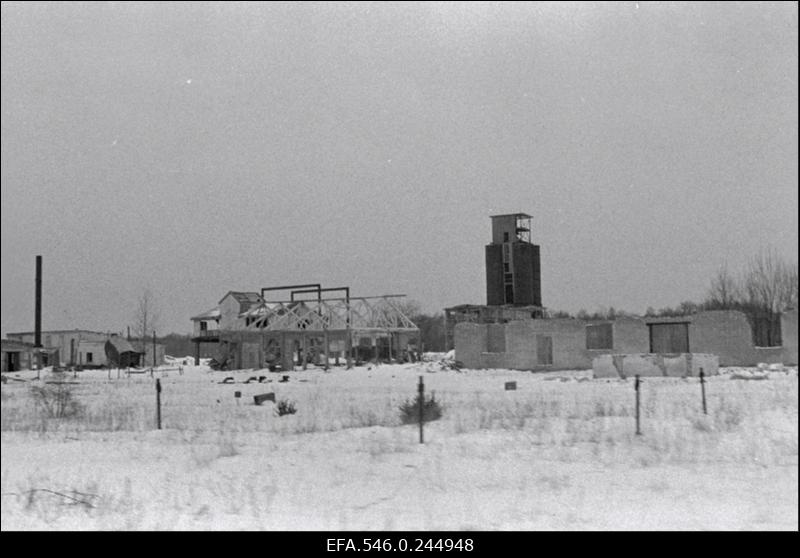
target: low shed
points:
(16, 355)
(120, 353)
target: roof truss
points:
(380, 313)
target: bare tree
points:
(770, 283)
(787, 291)
(724, 292)
(146, 318)
(687, 308)
(769, 287)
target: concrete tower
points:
(513, 273)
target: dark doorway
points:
(766, 329)
(12, 362)
(544, 350)
(669, 338)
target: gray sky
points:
(196, 148)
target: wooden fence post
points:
(703, 391)
(636, 387)
(421, 410)
(158, 403)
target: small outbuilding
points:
(120, 353)
(16, 355)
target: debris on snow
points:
(447, 362)
(743, 375)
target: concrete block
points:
(644, 365)
(259, 399)
(709, 363)
(654, 365)
(603, 367)
(675, 366)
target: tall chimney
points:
(38, 318)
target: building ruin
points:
(513, 329)
(513, 278)
(311, 327)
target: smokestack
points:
(38, 318)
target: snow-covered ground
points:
(559, 452)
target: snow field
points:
(560, 452)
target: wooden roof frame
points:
(365, 314)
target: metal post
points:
(349, 350)
(421, 409)
(703, 391)
(37, 340)
(636, 387)
(348, 343)
(38, 318)
(327, 347)
(444, 318)
(158, 403)
(284, 360)
(154, 348)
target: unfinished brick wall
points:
(478, 345)
(521, 345)
(727, 333)
(569, 342)
(567, 338)
(724, 333)
(470, 342)
(631, 335)
(496, 338)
